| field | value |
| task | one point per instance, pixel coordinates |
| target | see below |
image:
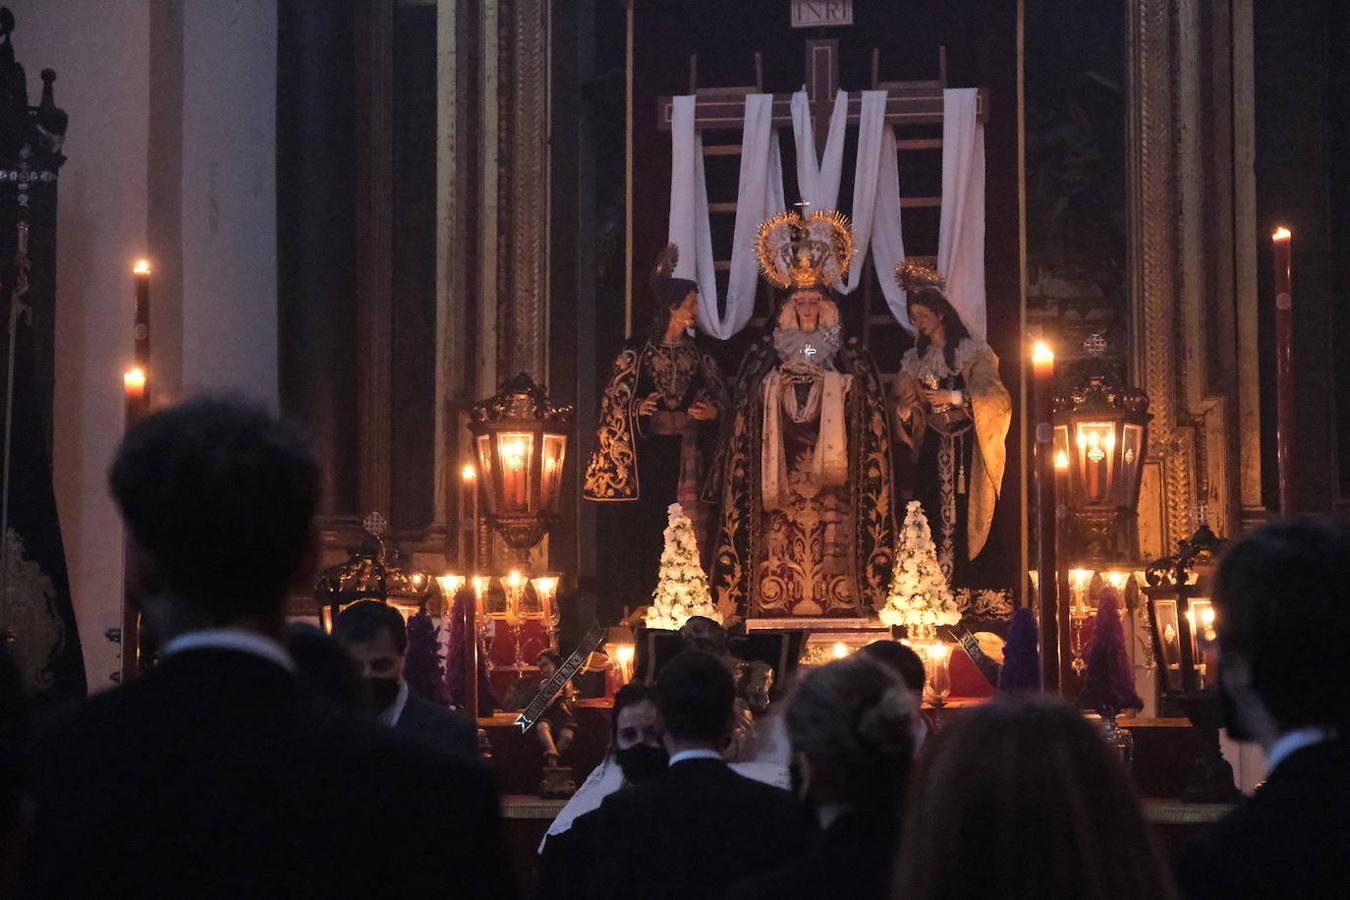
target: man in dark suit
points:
(1282, 598)
(375, 636)
(700, 826)
(214, 775)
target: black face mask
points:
(382, 692)
(642, 762)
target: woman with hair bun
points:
(852, 725)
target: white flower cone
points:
(919, 594)
(682, 589)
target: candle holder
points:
(546, 590)
(486, 628)
(514, 585)
(1079, 613)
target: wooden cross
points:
(907, 102)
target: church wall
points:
(134, 124)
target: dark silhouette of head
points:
(366, 620)
(1282, 603)
(854, 722)
(901, 660)
(696, 695)
(325, 668)
(219, 498)
(1025, 765)
(703, 633)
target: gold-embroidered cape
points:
(612, 472)
(736, 483)
(991, 408)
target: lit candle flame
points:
(1061, 461)
(840, 650)
(1042, 355)
(134, 379)
(468, 473)
(1281, 234)
(624, 654)
(142, 267)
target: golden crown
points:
(914, 276)
(804, 252)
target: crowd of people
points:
(255, 761)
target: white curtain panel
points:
(818, 179)
(759, 195)
(961, 230)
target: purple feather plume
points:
(1109, 682)
(1021, 660)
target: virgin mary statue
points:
(953, 414)
(803, 474)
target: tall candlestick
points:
(468, 482)
(136, 395)
(1043, 374)
(1285, 413)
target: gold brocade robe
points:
(772, 562)
(991, 413)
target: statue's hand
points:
(648, 406)
(703, 411)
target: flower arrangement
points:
(683, 589)
(919, 597)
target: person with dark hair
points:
(851, 725)
(953, 413)
(637, 754)
(558, 725)
(902, 660)
(215, 774)
(324, 668)
(376, 638)
(710, 825)
(1053, 817)
(657, 430)
(1282, 612)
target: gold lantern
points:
(1101, 431)
(372, 572)
(520, 439)
(1181, 613)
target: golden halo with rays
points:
(804, 252)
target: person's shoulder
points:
(422, 718)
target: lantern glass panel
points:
(515, 451)
(1169, 640)
(555, 452)
(1095, 443)
(1132, 448)
(486, 469)
(1204, 641)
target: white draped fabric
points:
(876, 202)
(818, 179)
(961, 229)
(759, 195)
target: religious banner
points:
(37, 622)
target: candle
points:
(1281, 240)
(1047, 532)
(467, 478)
(133, 380)
(141, 334)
